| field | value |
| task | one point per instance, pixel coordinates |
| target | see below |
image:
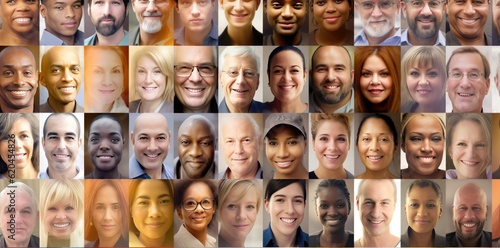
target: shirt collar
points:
(441, 40)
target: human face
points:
(196, 15)
(195, 92)
(496, 15)
(23, 139)
(469, 212)
(332, 209)
(424, 144)
(332, 75)
(151, 140)
(287, 76)
(467, 18)
(286, 208)
(152, 209)
(376, 205)
(425, 84)
(376, 81)
(61, 219)
(285, 16)
(61, 142)
(196, 221)
(26, 217)
(150, 81)
(331, 15)
(62, 18)
(423, 209)
(285, 149)
(469, 150)
(152, 14)
(19, 17)
(196, 148)
(331, 144)
(107, 213)
(424, 22)
(239, 90)
(105, 144)
(104, 75)
(237, 214)
(18, 79)
(239, 13)
(378, 23)
(467, 95)
(107, 16)
(241, 147)
(376, 145)
(61, 74)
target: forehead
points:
(62, 56)
(467, 128)
(287, 57)
(240, 61)
(61, 123)
(195, 128)
(106, 193)
(152, 188)
(424, 123)
(17, 55)
(377, 190)
(469, 195)
(245, 128)
(23, 199)
(474, 61)
(102, 57)
(105, 124)
(331, 55)
(198, 189)
(194, 55)
(292, 190)
(150, 124)
(374, 125)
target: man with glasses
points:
(468, 80)
(378, 18)
(424, 19)
(467, 19)
(239, 78)
(152, 16)
(195, 80)
(197, 25)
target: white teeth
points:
(152, 155)
(465, 95)
(67, 89)
(61, 225)
(288, 221)
(61, 156)
(374, 157)
(287, 87)
(332, 157)
(283, 163)
(332, 221)
(19, 92)
(469, 224)
(149, 88)
(239, 91)
(104, 156)
(376, 221)
(332, 87)
(469, 163)
(426, 159)
(469, 21)
(22, 20)
(194, 90)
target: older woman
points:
(332, 20)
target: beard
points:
(466, 236)
(109, 29)
(331, 98)
(151, 26)
(378, 31)
(423, 34)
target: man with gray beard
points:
(153, 16)
(378, 18)
(108, 17)
(424, 19)
(331, 80)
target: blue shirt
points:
(136, 170)
(255, 107)
(441, 40)
(49, 39)
(91, 41)
(301, 238)
(395, 40)
(210, 40)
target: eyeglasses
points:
(189, 3)
(146, 2)
(371, 5)
(190, 204)
(458, 75)
(417, 4)
(250, 74)
(187, 70)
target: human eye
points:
(279, 200)
(232, 73)
(141, 71)
(70, 138)
(384, 74)
(184, 3)
(366, 74)
(456, 75)
(69, 208)
(320, 3)
(366, 139)
(478, 2)
(295, 71)
(385, 5)
(28, 73)
(298, 5)
(250, 206)
(460, 2)
(474, 75)
(414, 74)
(321, 69)
(369, 203)
(143, 203)
(94, 140)
(75, 69)
(278, 71)
(26, 212)
(432, 74)
(416, 3)
(97, 71)
(341, 139)
(434, 4)
(164, 201)
(481, 145)
(323, 138)
(58, 7)
(55, 70)
(52, 209)
(415, 138)
(161, 138)
(8, 73)
(116, 207)
(157, 71)
(53, 137)
(24, 136)
(249, 74)
(437, 139)
(77, 6)
(414, 205)
(185, 143)
(97, 2)
(339, 69)
(205, 69)
(206, 143)
(115, 140)
(384, 139)
(367, 5)
(431, 205)
(117, 71)
(272, 143)
(143, 138)
(461, 144)
(293, 142)
(231, 206)
(99, 207)
(299, 200)
(338, 1)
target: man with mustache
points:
(378, 18)
(62, 19)
(108, 17)
(424, 19)
(152, 16)
(470, 210)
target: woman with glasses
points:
(333, 21)
(195, 203)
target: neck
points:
(70, 173)
(373, 41)
(250, 175)
(149, 242)
(324, 173)
(383, 240)
(15, 243)
(151, 39)
(284, 240)
(200, 235)
(94, 106)
(240, 35)
(338, 37)
(478, 41)
(149, 106)
(293, 106)
(111, 40)
(331, 108)
(154, 174)
(28, 172)
(333, 238)
(59, 107)
(9, 37)
(109, 242)
(112, 174)
(414, 40)
(203, 109)
(58, 242)
(228, 239)
(286, 40)
(196, 38)
(420, 239)
(385, 174)
(472, 243)
(237, 109)
(299, 173)
(482, 176)
(70, 40)
(411, 174)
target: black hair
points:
(285, 48)
(388, 121)
(277, 184)
(335, 183)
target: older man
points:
(108, 17)
(62, 19)
(151, 142)
(198, 27)
(239, 77)
(196, 141)
(467, 19)
(424, 20)
(18, 220)
(469, 215)
(468, 80)
(241, 147)
(152, 16)
(378, 18)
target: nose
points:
(107, 79)
(282, 151)
(70, 12)
(152, 145)
(374, 145)
(332, 145)
(375, 78)
(106, 9)
(289, 209)
(238, 5)
(376, 210)
(468, 8)
(61, 144)
(238, 148)
(426, 145)
(104, 145)
(240, 214)
(377, 12)
(195, 75)
(471, 152)
(19, 79)
(426, 10)
(154, 210)
(287, 11)
(151, 6)
(67, 75)
(240, 78)
(195, 9)
(331, 75)
(195, 150)
(108, 214)
(330, 6)
(464, 82)
(421, 211)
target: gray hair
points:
(239, 51)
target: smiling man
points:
(378, 19)
(108, 17)
(424, 20)
(198, 27)
(152, 16)
(62, 19)
(467, 19)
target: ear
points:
(313, 143)
(496, 81)
(176, 7)
(221, 3)
(265, 6)
(41, 79)
(357, 203)
(43, 10)
(80, 141)
(403, 8)
(168, 140)
(179, 213)
(266, 205)
(88, 8)
(487, 86)
(132, 137)
(258, 3)
(403, 147)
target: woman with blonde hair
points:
(423, 71)
(61, 208)
(152, 75)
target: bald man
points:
(61, 75)
(196, 147)
(470, 210)
(151, 141)
(18, 80)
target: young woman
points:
(21, 132)
(377, 141)
(239, 204)
(286, 72)
(285, 201)
(331, 18)
(240, 31)
(331, 142)
(376, 79)
(422, 140)
(423, 71)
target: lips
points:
(69, 24)
(67, 89)
(469, 163)
(284, 164)
(61, 225)
(152, 156)
(465, 94)
(332, 157)
(23, 20)
(331, 19)
(376, 222)
(331, 88)
(374, 159)
(469, 21)
(107, 92)
(288, 221)
(286, 25)
(240, 91)
(375, 91)
(286, 87)
(196, 21)
(154, 224)
(19, 93)
(424, 92)
(19, 156)
(426, 159)
(194, 92)
(149, 89)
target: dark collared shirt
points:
(178, 107)
(438, 239)
(225, 40)
(452, 240)
(301, 238)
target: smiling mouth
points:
(332, 157)
(240, 91)
(68, 89)
(23, 20)
(376, 222)
(375, 92)
(194, 90)
(469, 225)
(61, 225)
(107, 91)
(152, 156)
(469, 163)
(148, 89)
(469, 21)
(426, 159)
(287, 87)
(19, 93)
(284, 164)
(288, 220)
(105, 156)
(465, 95)
(424, 92)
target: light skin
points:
(426, 87)
(107, 216)
(467, 20)
(61, 75)
(467, 95)
(108, 16)
(285, 150)
(151, 142)
(239, 15)
(423, 22)
(378, 24)
(62, 18)
(19, 23)
(196, 17)
(376, 81)
(151, 15)
(26, 218)
(332, 77)
(332, 210)
(241, 148)
(61, 144)
(286, 18)
(105, 146)
(331, 17)
(469, 150)
(23, 151)
(18, 80)
(331, 146)
(496, 15)
(60, 219)
(423, 209)
(150, 84)
(286, 208)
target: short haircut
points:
(470, 49)
(108, 116)
(317, 118)
(63, 114)
(241, 52)
(125, 3)
(21, 187)
(204, 120)
(334, 183)
(285, 48)
(313, 57)
(226, 186)
(424, 183)
(277, 184)
(45, 1)
(255, 126)
(361, 189)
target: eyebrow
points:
(97, 134)
(295, 196)
(13, 66)
(148, 197)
